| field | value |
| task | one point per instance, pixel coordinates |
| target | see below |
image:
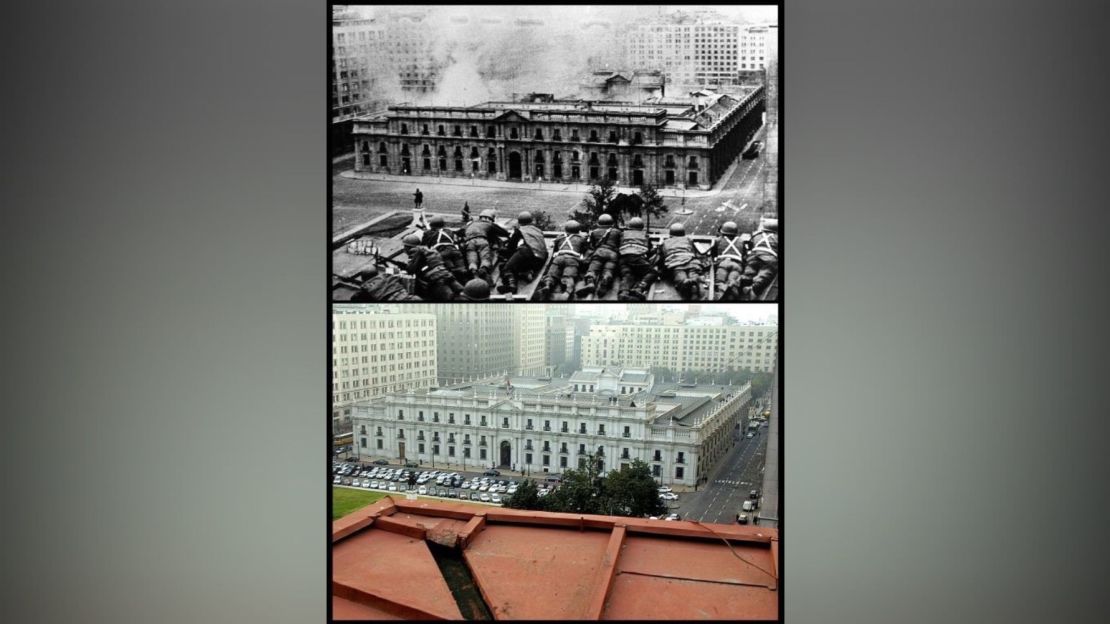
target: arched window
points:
(458, 152)
(427, 151)
(612, 161)
(474, 152)
(381, 148)
(440, 131)
(693, 162)
(404, 150)
(593, 159)
(442, 152)
(366, 146)
(539, 134)
(404, 128)
(637, 161)
(474, 131)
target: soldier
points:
(566, 262)
(605, 244)
(679, 259)
(528, 253)
(475, 290)
(762, 259)
(417, 199)
(637, 269)
(427, 265)
(480, 237)
(728, 254)
(445, 244)
(377, 286)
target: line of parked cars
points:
(667, 494)
(486, 488)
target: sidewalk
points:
(545, 187)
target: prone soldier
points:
(527, 252)
(378, 286)
(637, 269)
(762, 259)
(426, 264)
(604, 243)
(480, 237)
(445, 244)
(679, 259)
(727, 253)
(566, 262)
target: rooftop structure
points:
(400, 559)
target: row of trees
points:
(630, 491)
(602, 197)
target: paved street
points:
(738, 196)
(738, 473)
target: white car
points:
(672, 517)
(496, 498)
(475, 486)
(511, 490)
(337, 479)
(392, 487)
(664, 490)
(422, 490)
(366, 483)
(484, 497)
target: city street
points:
(738, 196)
(737, 474)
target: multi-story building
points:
(682, 347)
(669, 144)
(354, 81)
(529, 340)
(560, 339)
(694, 50)
(375, 353)
(545, 425)
(485, 340)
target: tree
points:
(632, 491)
(653, 202)
(578, 492)
(542, 220)
(596, 202)
(527, 496)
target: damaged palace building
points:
(545, 425)
(668, 142)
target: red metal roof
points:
(400, 559)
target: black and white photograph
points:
(554, 153)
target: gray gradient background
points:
(945, 306)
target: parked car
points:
(754, 494)
(673, 516)
(742, 518)
(496, 498)
(753, 149)
(392, 487)
(422, 490)
(484, 497)
(750, 435)
(381, 462)
(492, 473)
(366, 483)
(748, 506)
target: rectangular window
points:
(678, 472)
(362, 442)
(547, 460)
(656, 470)
(562, 462)
(482, 453)
(450, 451)
(528, 458)
(379, 444)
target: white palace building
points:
(537, 425)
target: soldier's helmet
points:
(636, 223)
(678, 229)
(771, 225)
(730, 228)
(524, 218)
(436, 222)
(571, 227)
(476, 289)
(411, 240)
(486, 214)
(605, 220)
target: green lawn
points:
(344, 500)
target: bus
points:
(343, 442)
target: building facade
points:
(696, 50)
(682, 347)
(375, 353)
(529, 341)
(543, 425)
(671, 143)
